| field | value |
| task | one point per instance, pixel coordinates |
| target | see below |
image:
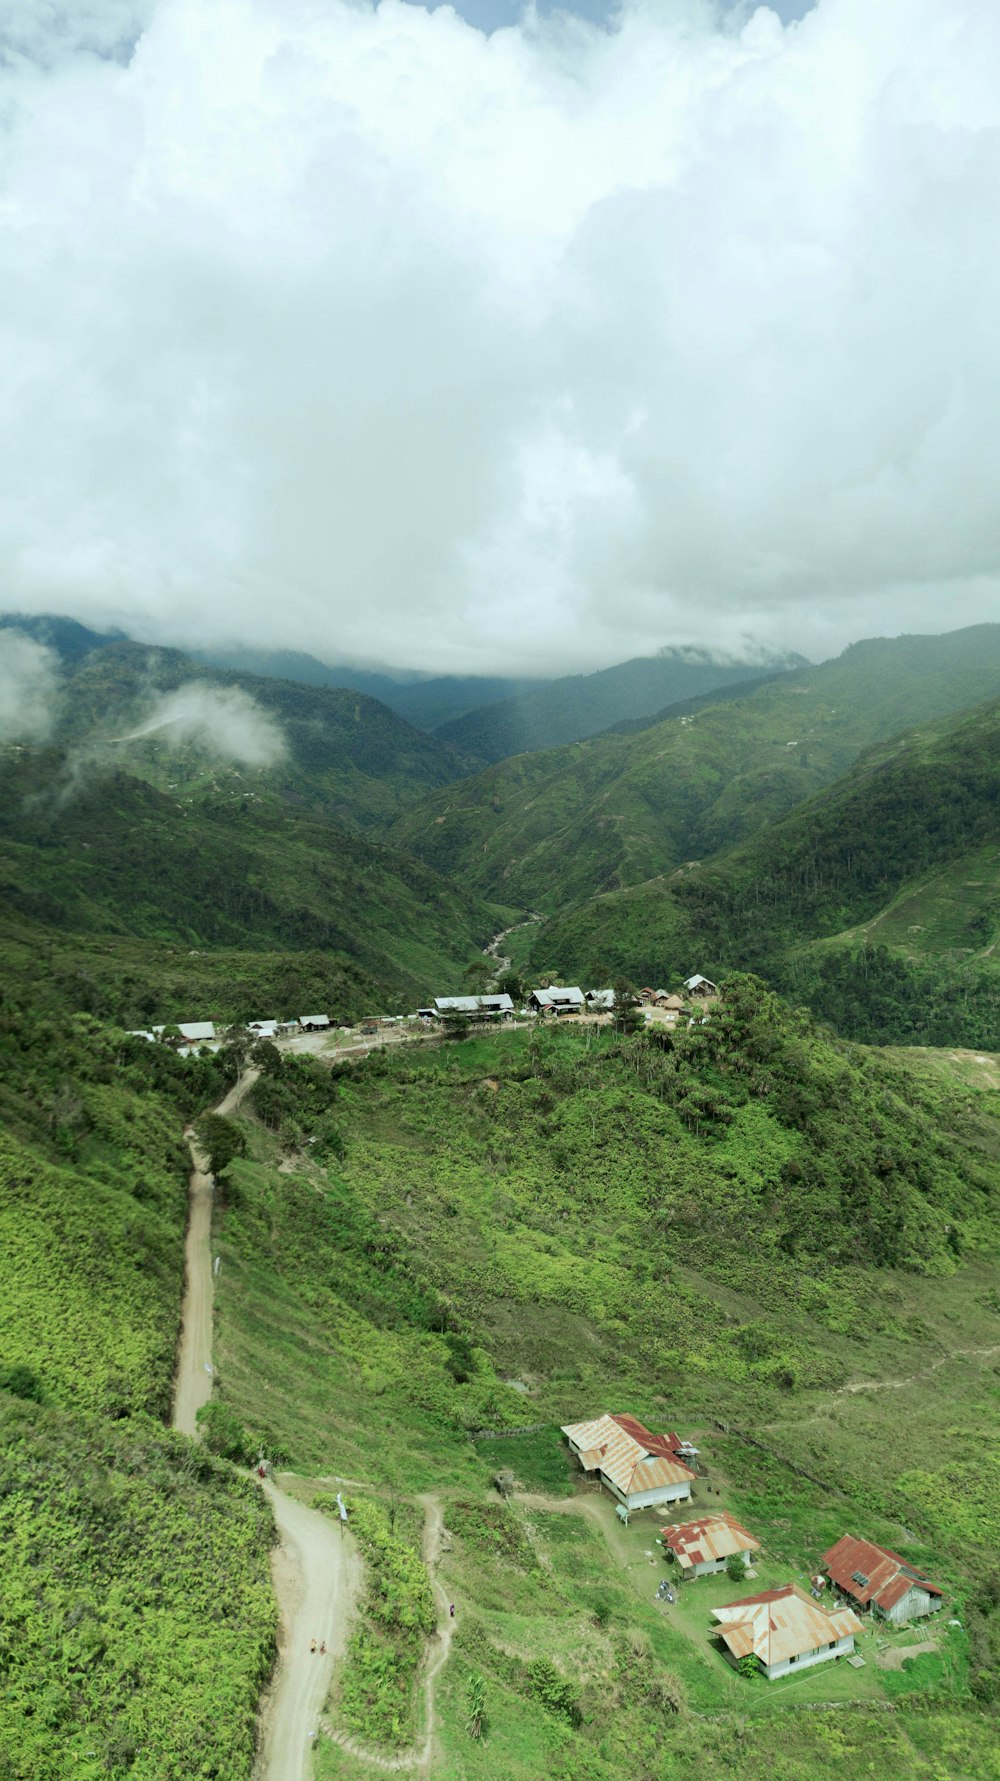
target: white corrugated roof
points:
(193, 1030)
(606, 1447)
(780, 1624)
(474, 1004)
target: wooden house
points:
(875, 1578)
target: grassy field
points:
(507, 1237)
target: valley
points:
(770, 1223)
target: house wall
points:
(808, 1658)
(709, 1566)
(913, 1606)
(644, 1499)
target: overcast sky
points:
(397, 336)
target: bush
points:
(554, 1691)
(223, 1433)
(735, 1568)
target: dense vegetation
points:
(549, 830)
(101, 853)
(917, 822)
(723, 1227)
(136, 1618)
(137, 1625)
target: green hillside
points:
(578, 705)
(348, 756)
(550, 830)
(100, 853)
(136, 1619)
(753, 1227)
(878, 901)
(425, 700)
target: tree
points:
(456, 1026)
(748, 1667)
(266, 1057)
(220, 1140)
(479, 975)
(512, 984)
(628, 1015)
(475, 1696)
(735, 1568)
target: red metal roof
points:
(660, 1446)
(712, 1537)
(886, 1576)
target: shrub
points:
(223, 1433)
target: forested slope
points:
(347, 755)
(136, 1619)
(549, 830)
(579, 705)
(98, 852)
(914, 828)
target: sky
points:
(512, 342)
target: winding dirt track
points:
(418, 1760)
(193, 1382)
(315, 1571)
(315, 1568)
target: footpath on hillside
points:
(315, 1567)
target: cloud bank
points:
(224, 721)
(357, 331)
(29, 688)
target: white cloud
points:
(360, 332)
(224, 721)
(29, 688)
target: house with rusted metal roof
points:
(784, 1630)
(702, 1547)
(640, 1469)
(878, 1579)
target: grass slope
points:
(550, 830)
(136, 1619)
(736, 1231)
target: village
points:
(553, 1002)
(860, 1598)
(849, 1608)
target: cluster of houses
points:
(780, 1631)
(191, 1035)
(558, 999)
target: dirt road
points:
(193, 1382)
(316, 1574)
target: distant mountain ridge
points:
(877, 901)
(580, 705)
(348, 755)
(551, 829)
